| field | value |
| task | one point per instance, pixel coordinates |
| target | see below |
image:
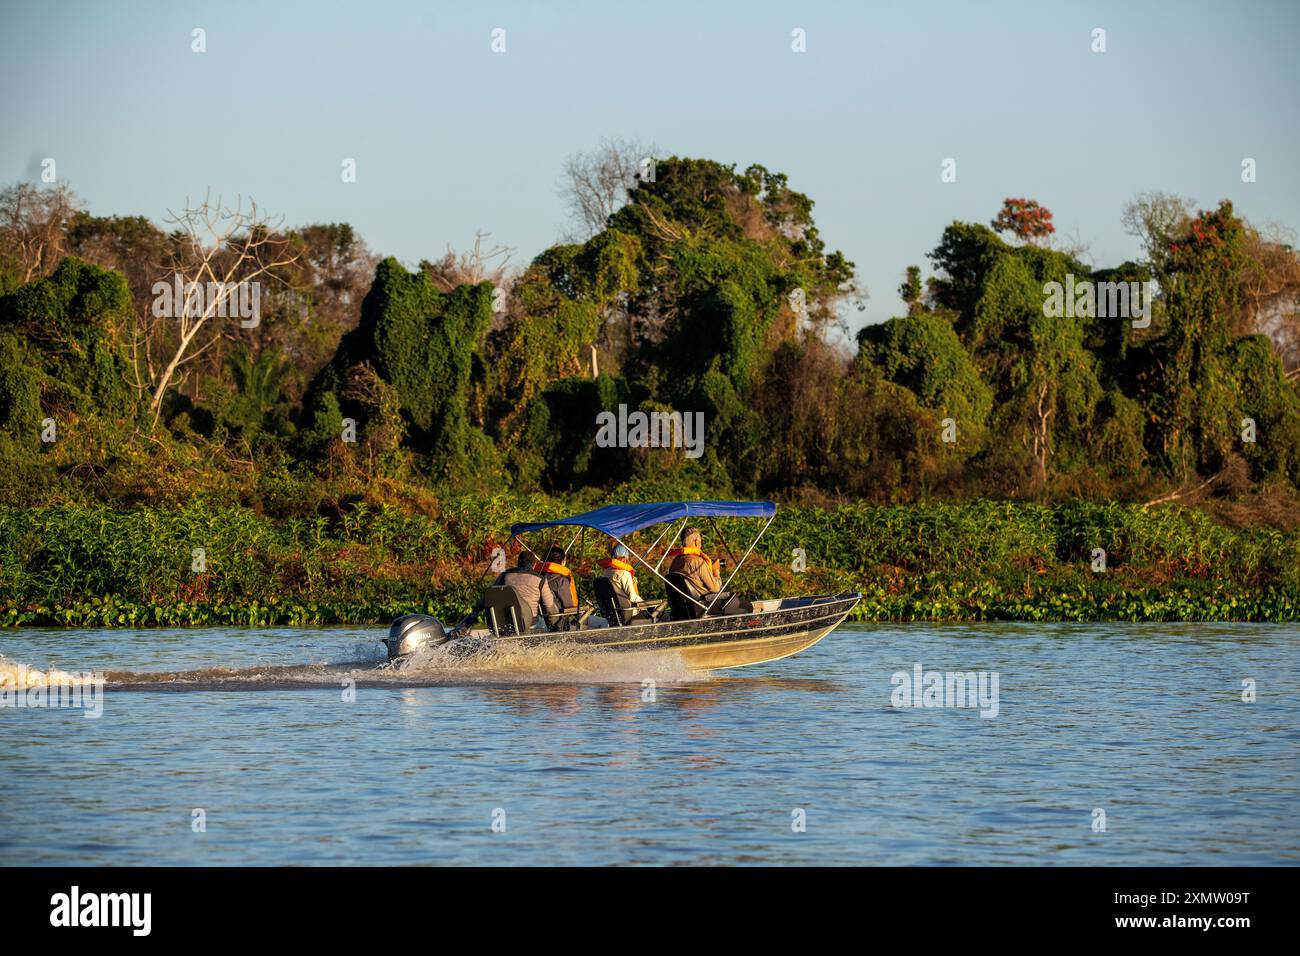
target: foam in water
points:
(20, 676)
(31, 687)
(451, 664)
(553, 661)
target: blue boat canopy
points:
(619, 520)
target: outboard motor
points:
(411, 632)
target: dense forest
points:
(699, 289)
(330, 424)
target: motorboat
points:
(688, 625)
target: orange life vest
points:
(679, 552)
(616, 563)
(550, 567)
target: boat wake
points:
(431, 667)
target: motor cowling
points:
(411, 632)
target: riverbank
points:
(200, 565)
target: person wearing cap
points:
(619, 569)
(702, 574)
(531, 587)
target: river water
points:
(1104, 745)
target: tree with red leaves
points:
(1025, 219)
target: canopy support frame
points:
(660, 562)
(742, 561)
(655, 568)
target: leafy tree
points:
(911, 290)
(61, 334)
(1109, 338)
(1196, 400)
(421, 342)
(692, 200)
(706, 289)
(316, 300)
(1045, 379)
(258, 392)
(1025, 219)
(886, 446)
(559, 309)
(558, 451)
(966, 253)
(1273, 404)
(923, 354)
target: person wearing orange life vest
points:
(702, 574)
(560, 580)
(528, 584)
(622, 576)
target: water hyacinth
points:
(78, 566)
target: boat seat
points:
(573, 620)
(684, 608)
(613, 606)
(617, 609)
(506, 614)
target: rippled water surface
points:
(300, 746)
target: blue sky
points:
(450, 138)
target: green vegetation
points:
(339, 457)
(57, 346)
(982, 561)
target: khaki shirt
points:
(624, 583)
(533, 592)
(698, 571)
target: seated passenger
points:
(701, 573)
(528, 584)
(622, 577)
(559, 581)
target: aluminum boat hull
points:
(717, 642)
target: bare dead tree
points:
(1153, 217)
(1184, 491)
(1270, 286)
(32, 227)
(479, 263)
(598, 183)
(218, 248)
(140, 347)
(1041, 434)
(1073, 245)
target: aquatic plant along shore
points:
(1030, 438)
(80, 566)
